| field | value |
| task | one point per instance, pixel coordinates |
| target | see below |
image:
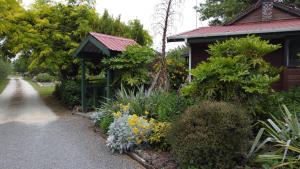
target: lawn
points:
(3, 85)
(43, 91)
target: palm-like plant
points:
(284, 137)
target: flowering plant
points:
(127, 131)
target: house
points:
(269, 19)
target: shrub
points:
(44, 77)
(210, 135)
(235, 71)
(4, 70)
(158, 136)
(283, 135)
(177, 67)
(127, 131)
(69, 92)
(105, 122)
(133, 65)
(161, 105)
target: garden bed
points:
(149, 158)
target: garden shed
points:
(97, 46)
(269, 19)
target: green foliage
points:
(177, 67)
(44, 77)
(161, 105)
(68, 92)
(4, 70)
(222, 11)
(21, 65)
(48, 34)
(158, 137)
(283, 135)
(105, 122)
(236, 70)
(133, 65)
(211, 135)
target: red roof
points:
(112, 42)
(241, 29)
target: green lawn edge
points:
(42, 90)
(3, 84)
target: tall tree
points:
(167, 13)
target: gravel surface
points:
(32, 136)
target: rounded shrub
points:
(44, 77)
(211, 135)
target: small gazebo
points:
(98, 46)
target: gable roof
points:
(112, 42)
(284, 7)
(278, 26)
(232, 29)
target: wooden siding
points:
(256, 16)
(291, 78)
(199, 53)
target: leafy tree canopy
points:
(133, 65)
(221, 11)
(48, 33)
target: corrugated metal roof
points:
(112, 42)
(241, 29)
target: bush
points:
(211, 135)
(69, 92)
(4, 70)
(105, 122)
(127, 131)
(282, 134)
(44, 77)
(161, 105)
(158, 136)
(235, 71)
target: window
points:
(294, 53)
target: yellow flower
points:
(117, 114)
(138, 141)
(135, 130)
(146, 112)
(132, 121)
(124, 107)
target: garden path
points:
(32, 136)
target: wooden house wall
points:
(256, 16)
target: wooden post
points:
(83, 86)
(108, 83)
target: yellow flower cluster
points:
(139, 127)
(117, 114)
(124, 107)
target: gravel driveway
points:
(32, 136)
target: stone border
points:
(132, 155)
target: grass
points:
(43, 90)
(3, 84)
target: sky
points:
(144, 10)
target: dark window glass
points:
(294, 52)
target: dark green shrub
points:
(161, 105)
(236, 70)
(4, 70)
(44, 77)
(211, 135)
(165, 106)
(105, 122)
(69, 92)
